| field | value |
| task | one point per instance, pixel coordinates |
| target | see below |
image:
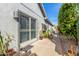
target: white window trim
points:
(30, 30)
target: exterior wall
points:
(9, 25)
(48, 26)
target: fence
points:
(67, 43)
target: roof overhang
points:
(48, 22)
(42, 9)
(44, 14)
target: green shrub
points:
(67, 19)
(45, 34)
(4, 44)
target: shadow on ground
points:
(27, 50)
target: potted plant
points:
(45, 34)
(4, 45)
(11, 52)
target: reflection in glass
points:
(24, 36)
(33, 34)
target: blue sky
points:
(52, 10)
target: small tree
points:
(67, 19)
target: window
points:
(33, 34)
(27, 28)
(24, 36)
(44, 28)
(33, 28)
(24, 22)
(33, 24)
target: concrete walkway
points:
(44, 47)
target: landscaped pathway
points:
(44, 47)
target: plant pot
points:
(11, 52)
(41, 37)
(77, 54)
(50, 36)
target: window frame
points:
(28, 30)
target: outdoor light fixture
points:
(15, 14)
(45, 17)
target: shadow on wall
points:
(26, 48)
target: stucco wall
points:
(9, 25)
(49, 27)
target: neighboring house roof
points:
(47, 21)
(44, 14)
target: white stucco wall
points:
(49, 27)
(9, 25)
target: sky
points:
(52, 10)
